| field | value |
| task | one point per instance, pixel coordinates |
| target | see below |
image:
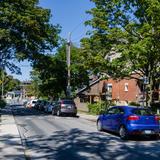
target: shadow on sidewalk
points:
(11, 148)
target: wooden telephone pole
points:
(68, 55)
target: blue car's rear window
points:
(142, 112)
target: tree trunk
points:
(150, 91)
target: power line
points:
(78, 25)
(79, 37)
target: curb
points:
(13, 145)
(88, 117)
(23, 139)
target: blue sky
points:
(70, 15)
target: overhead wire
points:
(76, 27)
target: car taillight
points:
(157, 118)
(62, 105)
(133, 118)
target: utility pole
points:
(68, 49)
(2, 72)
(2, 83)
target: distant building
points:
(13, 96)
(18, 95)
(24, 88)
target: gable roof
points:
(90, 85)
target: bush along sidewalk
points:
(99, 107)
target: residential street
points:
(80, 80)
(62, 138)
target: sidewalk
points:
(88, 116)
(10, 142)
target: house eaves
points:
(90, 85)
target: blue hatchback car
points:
(129, 120)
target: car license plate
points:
(147, 132)
(69, 107)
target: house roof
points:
(90, 85)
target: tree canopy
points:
(25, 31)
(132, 29)
(50, 75)
(9, 83)
(50, 72)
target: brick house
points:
(121, 92)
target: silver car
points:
(64, 106)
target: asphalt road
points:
(69, 138)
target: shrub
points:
(2, 103)
(98, 108)
(155, 107)
(134, 104)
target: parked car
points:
(24, 102)
(129, 120)
(42, 104)
(31, 103)
(37, 104)
(65, 106)
(27, 105)
(49, 106)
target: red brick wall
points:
(118, 89)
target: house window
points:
(109, 87)
(126, 87)
(109, 91)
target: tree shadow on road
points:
(80, 145)
(76, 144)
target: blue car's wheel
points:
(123, 133)
(99, 126)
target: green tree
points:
(9, 83)
(49, 76)
(131, 28)
(25, 31)
(51, 71)
(79, 73)
(35, 82)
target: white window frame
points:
(109, 87)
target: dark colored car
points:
(65, 106)
(37, 104)
(129, 120)
(42, 104)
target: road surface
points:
(70, 138)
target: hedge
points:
(98, 108)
